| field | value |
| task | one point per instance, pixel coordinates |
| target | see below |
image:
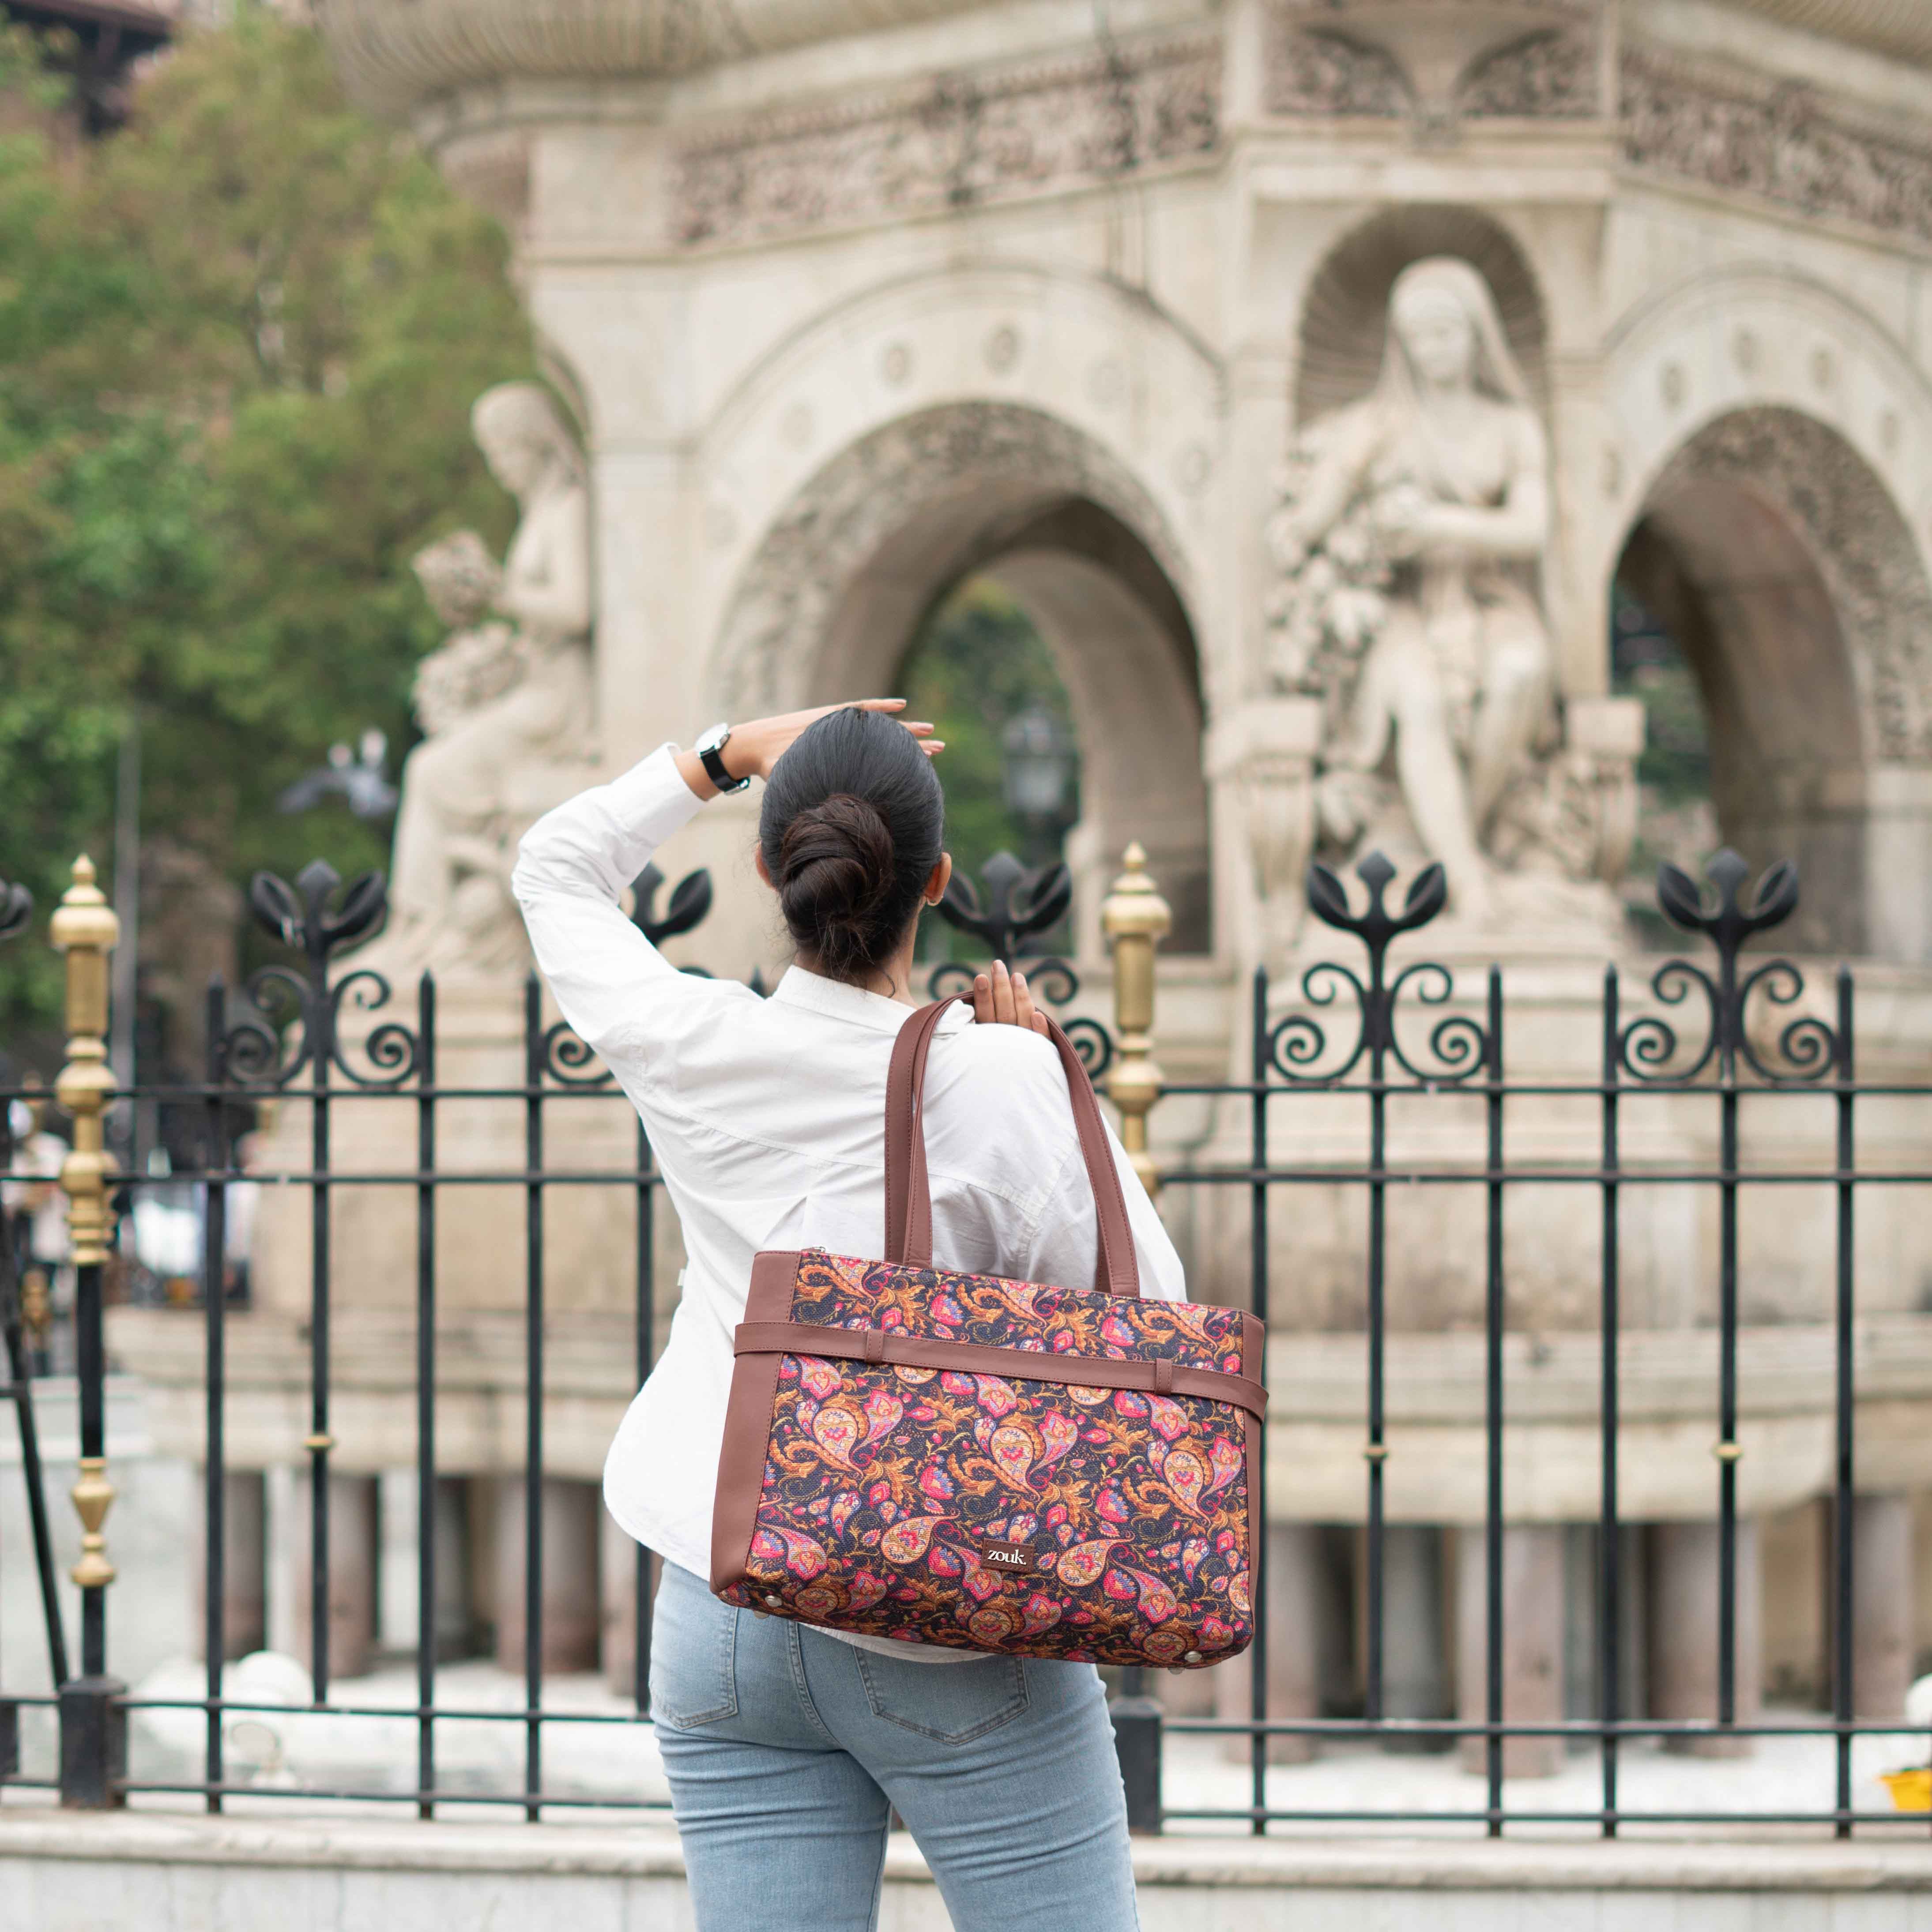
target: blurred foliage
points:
(975, 664)
(238, 343)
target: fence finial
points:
(85, 929)
(1135, 918)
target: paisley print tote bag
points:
(1036, 1469)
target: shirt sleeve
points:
(1066, 1240)
(620, 994)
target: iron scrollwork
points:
(1296, 1045)
(311, 919)
(689, 903)
(1808, 1049)
(1016, 904)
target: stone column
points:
(1415, 1664)
(1684, 1578)
(353, 1538)
(244, 1575)
(1882, 1605)
(1532, 1572)
(572, 1609)
(1297, 1609)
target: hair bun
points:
(851, 826)
(835, 872)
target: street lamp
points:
(358, 775)
(1039, 754)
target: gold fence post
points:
(93, 1724)
(1135, 918)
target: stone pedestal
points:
(1260, 761)
(572, 1610)
(1297, 1609)
(1881, 1604)
(482, 1265)
(1533, 1646)
(353, 1533)
(1684, 1584)
(245, 1576)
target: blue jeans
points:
(786, 1749)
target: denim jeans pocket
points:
(694, 1656)
(952, 1703)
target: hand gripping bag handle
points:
(909, 1195)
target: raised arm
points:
(618, 992)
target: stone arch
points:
(1343, 315)
(832, 595)
(1779, 559)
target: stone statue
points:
(506, 692)
(1409, 539)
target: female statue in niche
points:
(503, 693)
(1409, 546)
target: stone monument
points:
(1531, 296)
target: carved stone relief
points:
(1408, 540)
(1434, 62)
(839, 520)
(1860, 543)
(956, 141)
(1329, 74)
(1547, 76)
(1780, 142)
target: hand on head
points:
(760, 745)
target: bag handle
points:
(908, 1193)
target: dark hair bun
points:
(851, 825)
(835, 868)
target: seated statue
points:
(1410, 544)
(510, 688)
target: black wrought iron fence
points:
(1386, 1042)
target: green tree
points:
(239, 341)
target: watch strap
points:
(709, 756)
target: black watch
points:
(708, 748)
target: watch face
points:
(713, 739)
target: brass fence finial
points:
(1135, 918)
(85, 929)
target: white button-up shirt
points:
(767, 1119)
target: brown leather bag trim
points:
(1254, 1359)
(747, 1423)
(908, 1193)
(1254, 1340)
(768, 1340)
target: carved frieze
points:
(1544, 77)
(1780, 143)
(958, 140)
(1329, 74)
(1434, 62)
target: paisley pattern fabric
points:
(998, 1513)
